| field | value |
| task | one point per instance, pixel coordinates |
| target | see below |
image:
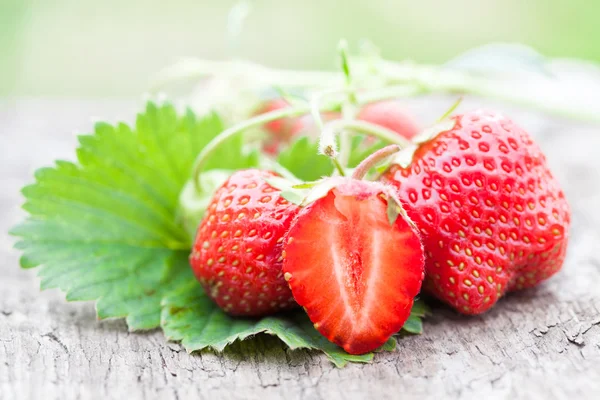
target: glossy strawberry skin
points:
(392, 115)
(237, 251)
(492, 217)
(354, 272)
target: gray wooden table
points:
(542, 343)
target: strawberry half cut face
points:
(355, 269)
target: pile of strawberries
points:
(474, 214)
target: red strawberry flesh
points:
(354, 272)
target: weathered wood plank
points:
(538, 344)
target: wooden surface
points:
(538, 344)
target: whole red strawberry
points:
(392, 115)
(237, 250)
(354, 261)
(491, 215)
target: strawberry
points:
(389, 114)
(279, 127)
(282, 131)
(354, 270)
(392, 115)
(305, 125)
(492, 217)
(237, 251)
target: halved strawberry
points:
(355, 264)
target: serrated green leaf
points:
(420, 309)
(413, 325)
(190, 316)
(105, 229)
(301, 158)
(108, 228)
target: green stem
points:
(413, 78)
(350, 104)
(426, 79)
(294, 111)
(327, 144)
(238, 129)
(315, 107)
(449, 111)
(192, 68)
(348, 114)
(316, 104)
(338, 166)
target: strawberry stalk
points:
(327, 144)
(374, 159)
(238, 129)
(396, 80)
(350, 104)
(329, 131)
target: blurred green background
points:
(112, 47)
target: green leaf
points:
(361, 149)
(301, 158)
(413, 325)
(420, 309)
(105, 229)
(345, 64)
(109, 228)
(190, 316)
(293, 196)
(193, 203)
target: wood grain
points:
(538, 344)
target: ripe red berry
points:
(354, 271)
(279, 128)
(237, 251)
(492, 217)
(389, 114)
(283, 131)
(392, 115)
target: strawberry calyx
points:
(405, 156)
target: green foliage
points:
(301, 158)
(105, 229)
(190, 316)
(108, 228)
